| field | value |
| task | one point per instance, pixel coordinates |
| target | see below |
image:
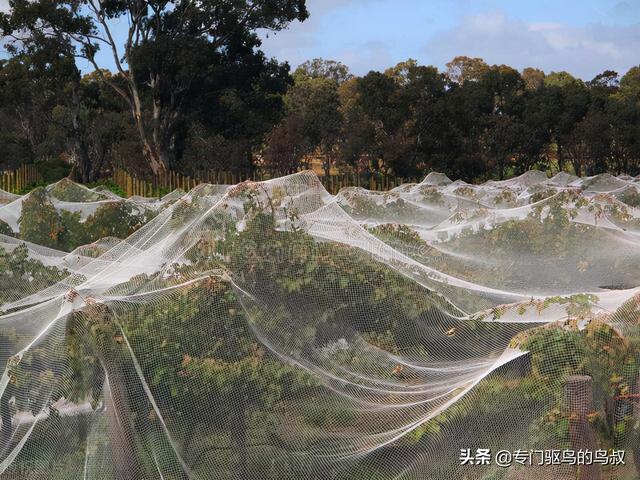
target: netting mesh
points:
(274, 331)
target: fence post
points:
(27, 174)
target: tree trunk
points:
(166, 149)
(120, 426)
(327, 168)
(560, 156)
(83, 172)
(149, 149)
(132, 96)
(577, 166)
(161, 132)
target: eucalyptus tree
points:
(168, 48)
(321, 68)
(630, 84)
(32, 85)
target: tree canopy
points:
(170, 49)
(193, 92)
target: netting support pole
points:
(579, 396)
(635, 440)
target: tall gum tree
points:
(156, 28)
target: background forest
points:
(193, 92)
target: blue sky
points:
(583, 37)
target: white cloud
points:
(299, 39)
(583, 51)
(4, 5)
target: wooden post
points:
(579, 397)
(636, 413)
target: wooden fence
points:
(16, 181)
(169, 181)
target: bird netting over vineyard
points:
(274, 331)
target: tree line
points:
(472, 121)
(192, 91)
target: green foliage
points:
(560, 79)
(312, 124)
(475, 122)
(21, 275)
(109, 185)
(28, 188)
(597, 351)
(338, 289)
(199, 65)
(555, 353)
(68, 191)
(115, 219)
(5, 229)
(630, 84)
(41, 223)
(237, 110)
(53, 170)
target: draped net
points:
(273, 331)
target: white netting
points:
(274, 331)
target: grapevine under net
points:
(273, 331)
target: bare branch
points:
(108, 82)
(114, 49)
